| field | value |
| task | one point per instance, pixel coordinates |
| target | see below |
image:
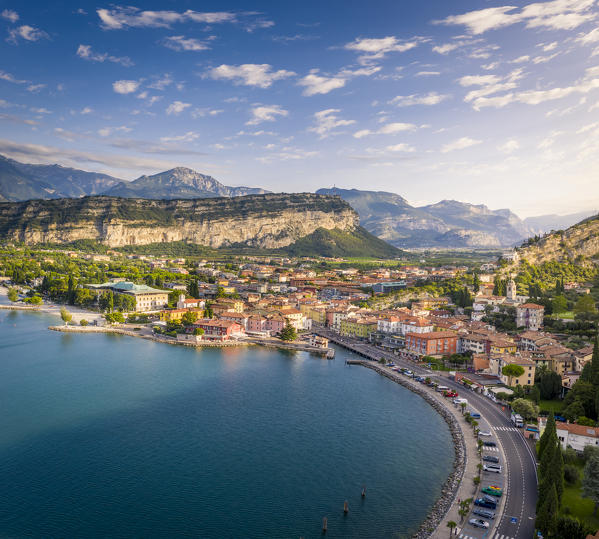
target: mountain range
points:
(20, 181)
(389, 216)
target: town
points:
(523, 336)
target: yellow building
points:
(175, 315)
(503, 347)
(350, 327)
(496, 364)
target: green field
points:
(554, 406)
(568, 315)
(579, 507)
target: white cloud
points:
(548, 47)
(266, 113)
(120, 18)
(162, 82)
(460, 144)
(40, 110)
(402, 147)
(432, 98)
(590, 37)
(85, 52)
(86, 110)
(315, 83)
(10, 15)
(69, 157)
(387, 129)
(125, 86)
(427, 73)
(11, 78)
(521, 59)
(35, 88)
(377, 48)
(320, 84)
(288, 153)
(26, 32)
(326, 121)
(478, 80)
(260, 75)
(190, 136)
(107, 131)
(509, 146)
(177, 107)
(556, 15)
(182, 43)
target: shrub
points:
(571, 474)
(83, 322)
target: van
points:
(460, 401)
(517, 420)
(440, 389)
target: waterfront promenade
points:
(516, 512)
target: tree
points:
(476, 283)
(463, 406)
(198, 331)
(559, 304)
(451, 525)
(512, 371)
(555, 473)
(595, 363)
(193, 289)
(527, 409)
(549, 436)
(65, 315)
(547, 514)
(585, 393)
(572, 528)
(590, 481)
(586, 421)
(550, 384)
(288, 333)
(574, 411)
(585, 304)
(83, 322)
(13, 295)
(189, 318)
(34, 300)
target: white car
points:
(484, 433)
(495, 468)
(479, 523)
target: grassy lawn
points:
(580, 507)
(554, 406)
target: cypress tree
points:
(550, 434)
(555, 473)
(547, 514)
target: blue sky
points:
(483, 102)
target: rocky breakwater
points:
(445, 500)
(267, 221)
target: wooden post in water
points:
(324, 524)
(345, 507)
(363, 492)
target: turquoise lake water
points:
(112, 436)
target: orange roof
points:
(530, 306)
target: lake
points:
(113, 436)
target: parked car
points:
(489, 444)
(495, 468)
(475, 415)
(451, 394)
(481, 502)
(478, 523)
(491, 458)
(485, 433)
(497, 492)
(484, 513)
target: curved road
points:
(518, 517)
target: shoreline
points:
(451, 485)
(298, 347)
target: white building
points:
(571, 435)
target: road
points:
(519, 509)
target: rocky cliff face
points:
(267, 221)
(577, 242)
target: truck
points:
(517, 420)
